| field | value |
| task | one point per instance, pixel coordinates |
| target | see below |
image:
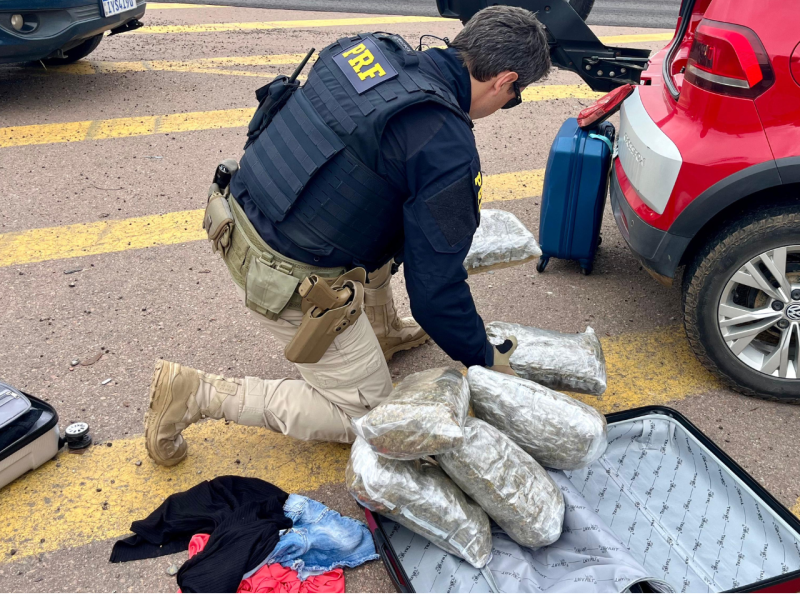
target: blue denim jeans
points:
(321, 540)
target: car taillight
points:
(728, 59)
(605, 106)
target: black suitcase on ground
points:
(673, 500)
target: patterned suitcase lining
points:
(658, 506)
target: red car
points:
(708, 176)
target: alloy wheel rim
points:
(758, 317)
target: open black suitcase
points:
(663, 510)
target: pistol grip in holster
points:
(321, 325)
(318, 292)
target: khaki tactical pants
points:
(350, 379)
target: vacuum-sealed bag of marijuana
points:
(424, 415)
(419, 496)
(558, 431)
(500, 241)
(561, 361)
(510, 486)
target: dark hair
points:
(504, 38)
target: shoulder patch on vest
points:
(365, 65)
(454, 210)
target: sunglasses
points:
(517, 100)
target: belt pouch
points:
(320, 327)
(218, 223)
(268, 289)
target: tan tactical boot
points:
(180, 396)
(394, 333)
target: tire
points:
(707, 285)
(80, 51)
(582, 7)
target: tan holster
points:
(330, 298)
(328, 311)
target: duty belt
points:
(269, 279)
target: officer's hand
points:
(502, 354)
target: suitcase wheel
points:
(540, 266)
(599, 239)
(586, 270)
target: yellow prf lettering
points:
(376, 70)
(479, 183)
(355, 50)
(361, 61)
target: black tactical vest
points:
(314, 165)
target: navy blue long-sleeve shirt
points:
(428, 153)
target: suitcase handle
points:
(603, 138)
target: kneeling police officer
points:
(371, 163)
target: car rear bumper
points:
(659, 251)
(651, 160)
(58, 29)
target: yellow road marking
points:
(101, 67)
(299, 24)
(86, 239)
(636, 378)
(176, 5)
(80, 131)
(62, 505)
(612, 40)
(354, 21)
(796, 509)
(55, 133)
(100, 237)
(104, 68)
(203, 65)
(537, 93)
(512, 186)
(95, 496)
(215, 66)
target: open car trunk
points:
(573, 45)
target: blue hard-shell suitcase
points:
(574, 195)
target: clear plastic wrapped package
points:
(560, 361)
(419, 496)
(500, 241)
(508, 484)
(558, 431)
(424, 415)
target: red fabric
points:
(197, 543)
(275, 579)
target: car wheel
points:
(582, 7)
(741, 302)
(80, 51)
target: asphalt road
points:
(105, 166)
(628, 13)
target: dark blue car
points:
(61, 31)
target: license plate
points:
(114, 7)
